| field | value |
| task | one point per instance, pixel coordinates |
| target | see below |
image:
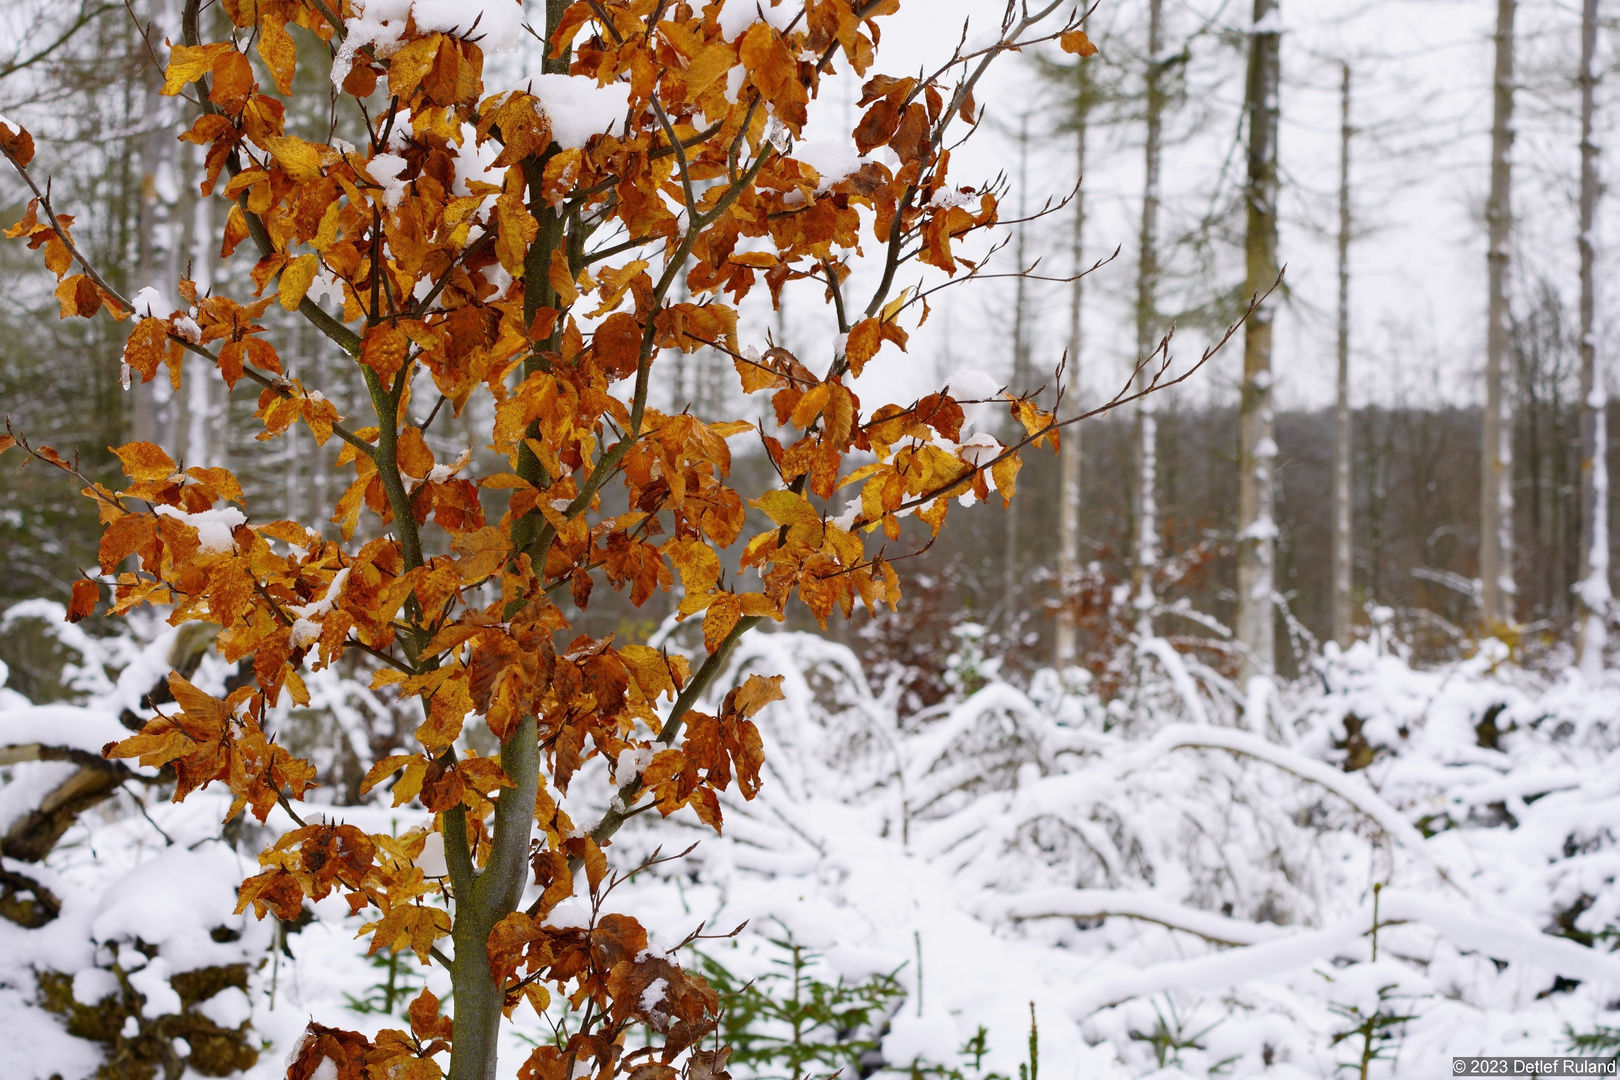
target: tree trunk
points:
(1020, 364)
(1069, 460)
(1592, 592)
(1145, 510)
(156, 149)
(483, 898)
(1496, 457)
(1257, 529)
(1341, 410)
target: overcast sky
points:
(1421, 89)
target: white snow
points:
(187, 327)
(1262, 528)
(172, 901)
(149, 303)
(307, 627)
(152, 983)
(230, 1008)
(738, 15)
(930, 1039)
(61, 725)
(577, 108)
(385, 170)
(832, 160)
(381, 23)
(1269, 23)
(431, 861)
(93, 984)
(653, 996)
(497, 25)
(1103, 858)
(632, 762)
(214, 527)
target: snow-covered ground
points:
(1172, 884)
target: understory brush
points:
(1361, 872)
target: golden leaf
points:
(296, 279)
(279, 52)
(145, 461)
(189, 63)
(298, 159)
(787, 508)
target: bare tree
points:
(1592, 593)
(1069, 467)
(1496, 457)
(1257, 528)
(1020, 357)
(1146, 540)
(1341, 410)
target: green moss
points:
(150, 1053)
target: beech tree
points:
(1497, 586)
(1592, 591)
(656, 151)
(1257, 457)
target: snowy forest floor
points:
(1168, 883)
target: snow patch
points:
(738, 15)
(385, 170)
(214, 527)
(577, 108)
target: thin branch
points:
(281, 386)
(44, 198)
(86, 16)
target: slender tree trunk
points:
(1146, 510)
(209, 431)
(1341, 410)
(482, 898)
(1020, 364)
(678, 399)
(155, 150)
(1592, 592)
(1069, 460)
(1496, 457)
(1257, 529)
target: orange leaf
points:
(279, 52)
(383, 349)
(144, 461)
(17, 144)
(618, 344)
(85, 595)
(1076, 42)
(296, 279)
(189, 63)
(720, 620)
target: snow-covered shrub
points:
(1167, 882)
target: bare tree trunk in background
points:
(1146, 511)
(678, 399)
(1592, 591)
(154, 150)
(1496, 457)
(1020, 364)
(1257, 529)
(209, 440)
(187, 436)
(1069, 461)
(1341, 410)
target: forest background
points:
(82, 79)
